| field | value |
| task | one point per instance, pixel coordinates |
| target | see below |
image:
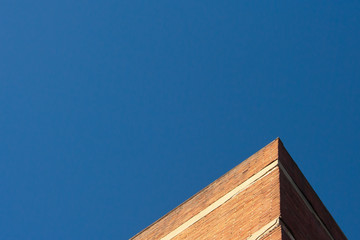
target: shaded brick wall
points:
(293, 209)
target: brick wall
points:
(275, 206)
(210, 194)
(242, 215)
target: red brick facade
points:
(264, 197)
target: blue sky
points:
(112, 113)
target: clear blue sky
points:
(114, 112)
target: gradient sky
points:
(113, 112)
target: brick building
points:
(265, 197)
